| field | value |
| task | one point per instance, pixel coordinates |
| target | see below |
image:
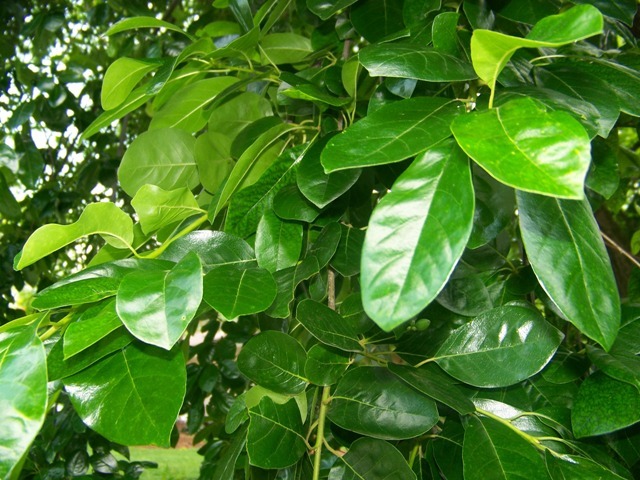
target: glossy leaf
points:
(346, 260)
(132, 397)
(185, 109)
(563, 244)
(523, 146)
(104, 219)
(516, 341)
(92, 325)
(235, 291)
(275, 438)
(371, 458)
(621, 366)
(163, 157)
(93, 284)
(490, 51)
(157, 208)
(375, 20)
(290, 204)
(416, 235)
(23, 395)
(326, 244)
(431, 381)
(325, 9)
(274, 360)
(121, 78)
(392, 133)
(493, 450)
(278, 243)
(280, 48)
(623, 10)
(575, 467)
(287, 281)
(495, 206)
(406, 60)
(327, 326)
(374, 402)
(325, 366)
(157, 306)
(604, 405)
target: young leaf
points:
(23, 395)
(524, 146)
(104, 219)
(391, 134)
(564, 246)
(416, 235)
(516, 341)
(121, 78)
(132, 397)
(157, 306)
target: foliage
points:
(359, 249)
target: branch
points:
(609, 241)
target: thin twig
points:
(612, 243)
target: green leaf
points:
(226, 465)
(164, 158)
(274, 360)
(325, 9)
(280, 48)
(319, 187)
(445, 34)
(157, 208)
(623, 10)
(375, 19)
(325, 365)
(346, 260)
(143, 22)
(328, 326)
(235, 291)
(566, 251)
(233, 116)
(132, 397)
(287, 281)
(9, 207)
(374, 402)
(431, 381)
(326, 244)
(416, 235)
(249, 205)
(120, 79)
(157, 306)
(604, 405)
(493, 450)
(278, 243)
(93, 284)
(406, 60)
(104, 219)
(528, 11)
(185, 109)
(92, 325)
(392, 133)
(275, 436)
(290, 204)
(23, 395)
(516, 341)
(213, 248)
(524, 146)
(213, 158)
(621, 366)
(374, 459)
(491, 51)
(573, 467)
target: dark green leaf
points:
(287, 281)
(346, 260)
(570, 467)
(375, 19)
(278, 243)
(325, 366)
(392, 133)
(516, 341)
(132, 397)
(274, 360)
(9, 207)
(621, 366)
(290, 204)
(623, 10)
(92, 325)
(326, 245)
(416, 235)
(374, 402)
(226, 466)
(325, 9)
(328, 326)
(563, 243)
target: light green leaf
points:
(374, 402)
(604, 405)
(274, 360)
(235, 291)
(213, 158)
(406, 60)
(280, 48)
(231, 117)
(104, 219)
(23, 395)
(369, 458)
(143, 22)
(163, 157)
(132, 397)
(490, 51)
(92, 325)
(416, 235)
(157, 208)
(275, 438)
(566, 251)
(514, 340)
(157, 306)
(120, 79)
(278, 243)
(492, 450)
(185, 109)
(328, 326)
(523, 146)
(392, 133)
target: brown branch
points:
(620, 250)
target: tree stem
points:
(612, 243)
(317, 454)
